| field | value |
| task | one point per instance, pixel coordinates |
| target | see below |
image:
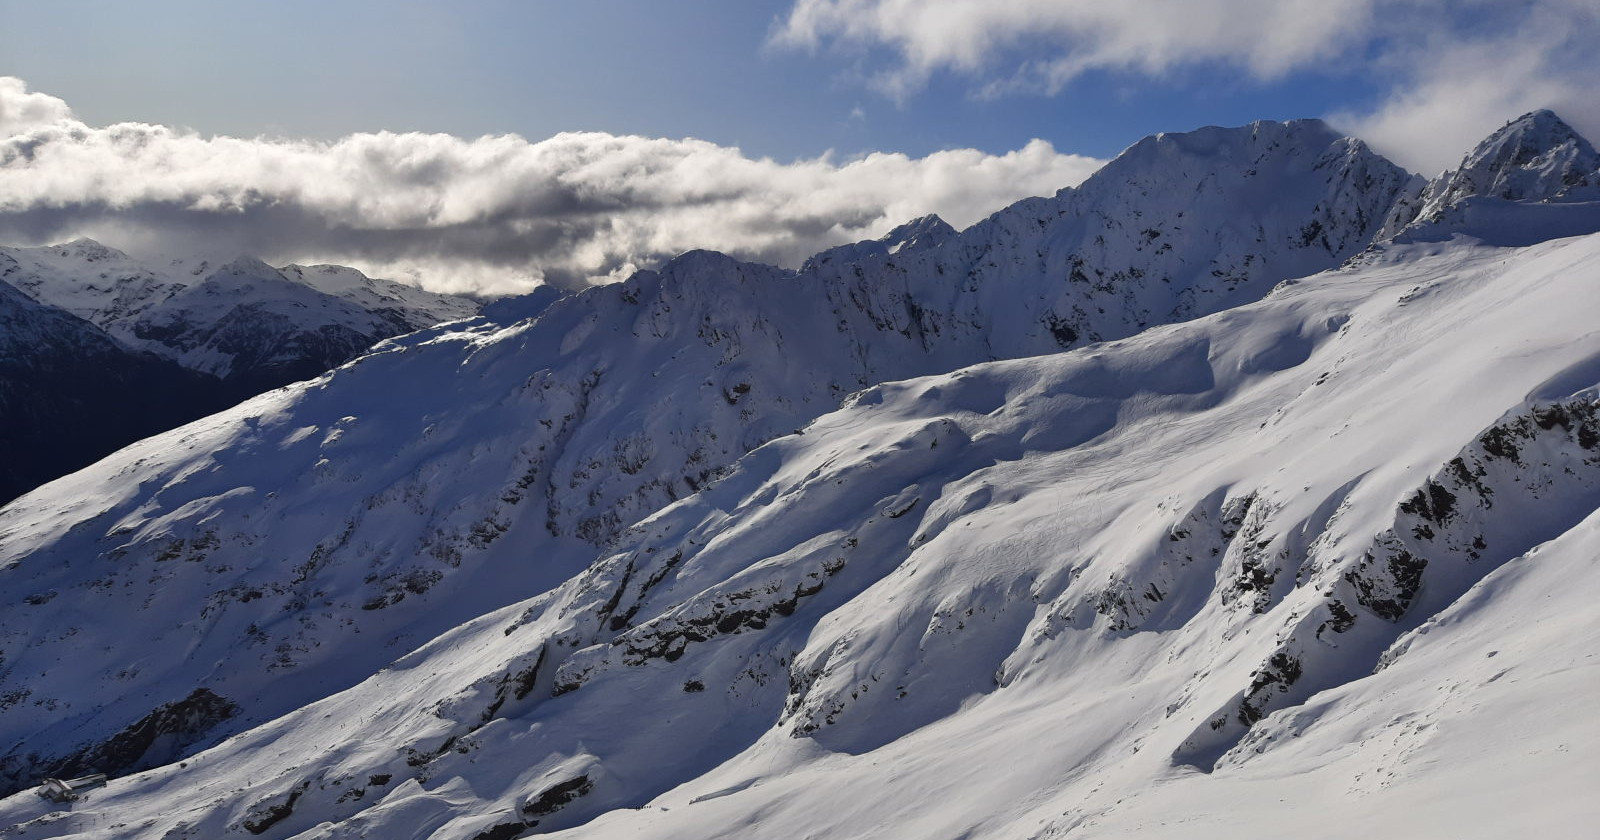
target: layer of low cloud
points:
(1453, 70)
(492, 215)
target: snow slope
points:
(999, 601)
(61, 382)
(1042, 597)
(239, 329)
(243, 321)
(321, 531)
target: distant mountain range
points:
(1250, 487)
(102, 349)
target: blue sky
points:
(281, 128)
(662, 68)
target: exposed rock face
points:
(165, 734)
(1528, 478)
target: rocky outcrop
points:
(164, 734)
(1523, 480)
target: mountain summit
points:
(1536, 157)
(924, 232)
(1531, 158)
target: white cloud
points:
(490, 214)
(1452, 70)
(1458, 90)
(1060, 39)
(21, 109)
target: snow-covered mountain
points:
(69, 394)
(78, 393)
(247, 323)
(622, 568)
(1534, 158)
(399, 493)
(92, 281)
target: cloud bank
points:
(1451, 70)
(491, 215)
(1269, 37)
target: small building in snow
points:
(57, 790)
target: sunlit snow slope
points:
(1317, 560)
(1036, 596)
(165, 342)
(297, 544)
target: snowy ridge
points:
(936, 557)
(98, 284)
(242, 320)
(1536, 157)
(409, 307)
(1082, 594)
(509, 453)
(30, 325)
(925, 232)
(1178, 226)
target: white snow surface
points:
(26, 324)
(418, 306)
(1534, 158)
(926, 614)
(96, 283)
(324, 530)
(1320, 562)
(204, 315)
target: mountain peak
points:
(1226, 141)
(89, 249)
(928, 231)
(698, 260)
(1539, 143)
(247, 264)
(1542, 121)
(1535, 157)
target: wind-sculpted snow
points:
(299, 542)
(1037, 582)
(1000, 598)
